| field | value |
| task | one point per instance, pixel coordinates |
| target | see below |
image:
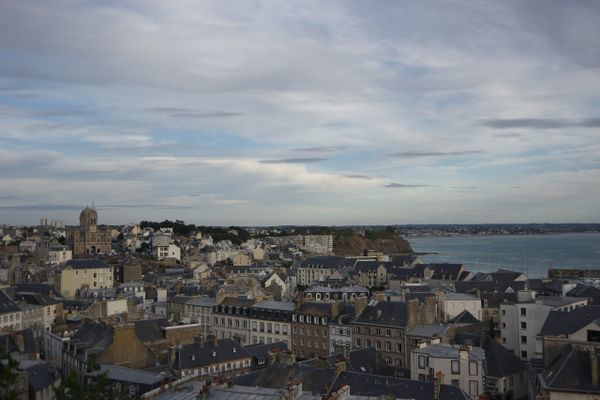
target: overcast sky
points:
(300, 112)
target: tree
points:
(8, 376)
(93, 388)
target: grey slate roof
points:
(563, 323)
(465, 317)
(386, 313)
(85, 263)
(260, 352)
(93, 336)
(571, 371)
(376, 385)
(446, 271)
(325, 262)
(149, 330)
(124, 374)
(41, 375)
(499, 361)
(196, 355)
(6, 304)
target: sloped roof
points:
(465, 317)
(84, 263)
(195, 355)
(324, 262)
(500, 362)
(124, 374)
(564, 323)
(377, 385)
(6, 304)
(41, 375)
(149, 330)
(446, 271)
(387, 313)
(571, 371)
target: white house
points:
(461, 366)
(452, 304)
(521, 322)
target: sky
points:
(300, 112)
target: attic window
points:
(214, 353)
(193, 357)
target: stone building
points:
(310, 328)
(385, 326)
(89, 239)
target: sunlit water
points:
(532, 254)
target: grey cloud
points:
(394, 185)
(541, 123)
(178, 112)
(417, 154)
(306, 160)
(318, 149)
(359, 177)
(465, 187)
(214, 114)
(508, 135)
(77, 207)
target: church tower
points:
(89, 240)
(88, 219)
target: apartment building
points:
(310, 328)
(231, 319)
(460, 366)
(270, 322)
(200, 310)
(521, 322)
(84, 274)
(385, 326)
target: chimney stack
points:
(437, 385)
(594, 366)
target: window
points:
(388, 346)
(504, 325)
(523, 325)
(423, 362)
(357, 343)
(472, 368)
(398, 348)
(378, 345)
(455, 367)
(455, 382)
(523, 311)
(388, 333)
(503, 312)
(524, 339)
(523, 354)
(367, 343)
(254, 325)
(473, 388)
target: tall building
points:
(89, 239)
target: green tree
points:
(98, 387)
(8, 376)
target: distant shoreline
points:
(462, 235)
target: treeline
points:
(235, 234)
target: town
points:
(165, 310)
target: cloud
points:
(508, 135)
(365, 177)
(541, 123)
(403, 186)
(306, 160)
(409, 154)
(318, 149)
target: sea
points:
(531, 254)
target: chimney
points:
(463, 352)
(360, 304)
(340, 366)
(212, 339)
(437, 385)
(413, 312)
(594, 366)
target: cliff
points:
(349, 243)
